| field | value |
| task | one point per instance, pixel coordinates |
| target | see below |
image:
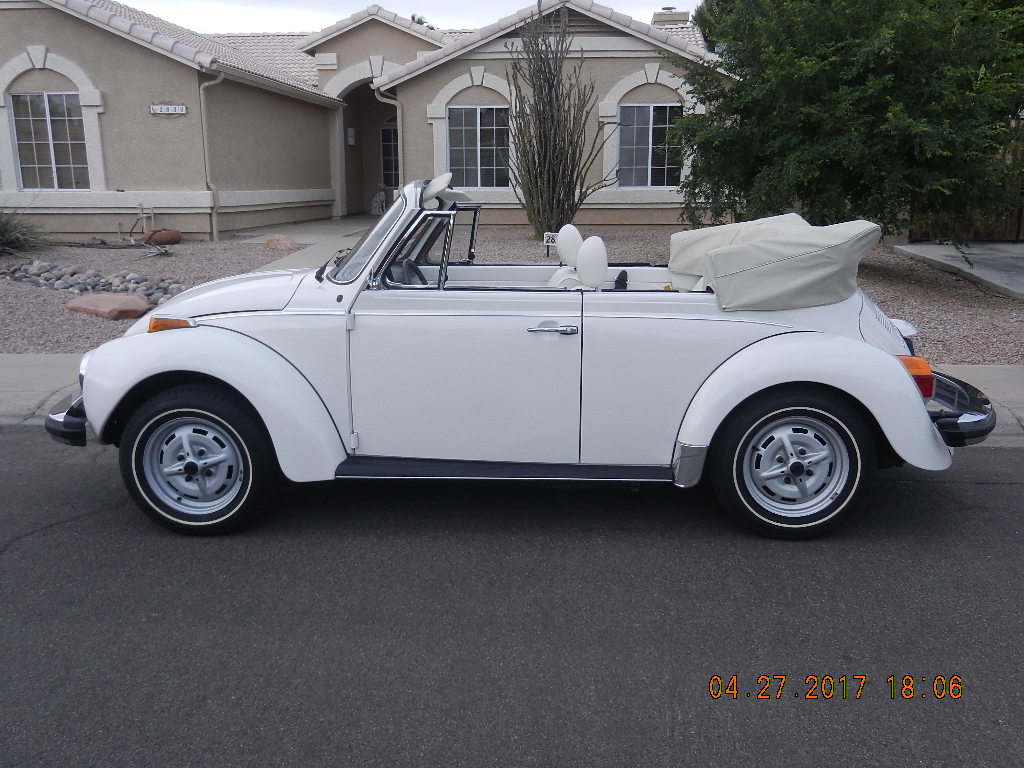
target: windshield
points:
(349, 263)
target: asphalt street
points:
(462, 624)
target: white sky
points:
(311, 15)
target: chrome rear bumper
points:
(961, 413)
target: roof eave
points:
(135, 33)
(274, 86)
(368, 14)
(515, 21)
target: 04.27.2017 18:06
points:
(752, 361)
(836, 687)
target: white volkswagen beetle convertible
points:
(751, 360)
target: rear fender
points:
(876, 379)
(305, 438)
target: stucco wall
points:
(416, 94)
(261, 140)
(652, 93)
(371, 38)
(130, 78)
(40, 80)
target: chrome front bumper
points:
(961, 413)
(68, 427)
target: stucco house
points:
(107, 110)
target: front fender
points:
(304, 437)
(874, 378)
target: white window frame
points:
(391, 124)
(49, 137)
(650, 144)
(479, 167)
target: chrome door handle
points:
(565, 330)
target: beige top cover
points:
(778, 263)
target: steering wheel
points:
(412, 273)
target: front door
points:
(463, 374)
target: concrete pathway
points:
(997, 266)
(324, 238)
(31, 386)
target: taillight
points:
(921, 372)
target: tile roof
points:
(687, 32)
(280, 50)
(677, 38)
(202, 51)
(281, 58)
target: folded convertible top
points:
(776, 263)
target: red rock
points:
(282, 243)
(110, 306)
(163, 237)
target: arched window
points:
(646, 156)
(478, 146)
(472, 140)
(637, 114)
(49, 134)
(49, 124)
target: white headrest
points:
(592, 266)
(568, 244)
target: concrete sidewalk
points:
(324, 238)
(997, 266)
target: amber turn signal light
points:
(921, 372)
(168, 323)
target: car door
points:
(465, 374)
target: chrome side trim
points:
(688, 465)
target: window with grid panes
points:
(478, 146)
(50, 137)
(646, 159)
(389, 153)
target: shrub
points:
(18, 235)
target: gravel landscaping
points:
(959, 322)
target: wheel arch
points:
(873, 381)
(886, 454)
(159, 382)
(122, 374)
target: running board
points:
(440, 469)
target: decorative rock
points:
(110, 307)
(282, 243)
(163, 237)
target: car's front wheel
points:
(793, 464)
(196, 460)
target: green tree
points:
(552, 106)
(708, 16)
(897, 112)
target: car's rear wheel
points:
(196, 460)
(793, 465)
